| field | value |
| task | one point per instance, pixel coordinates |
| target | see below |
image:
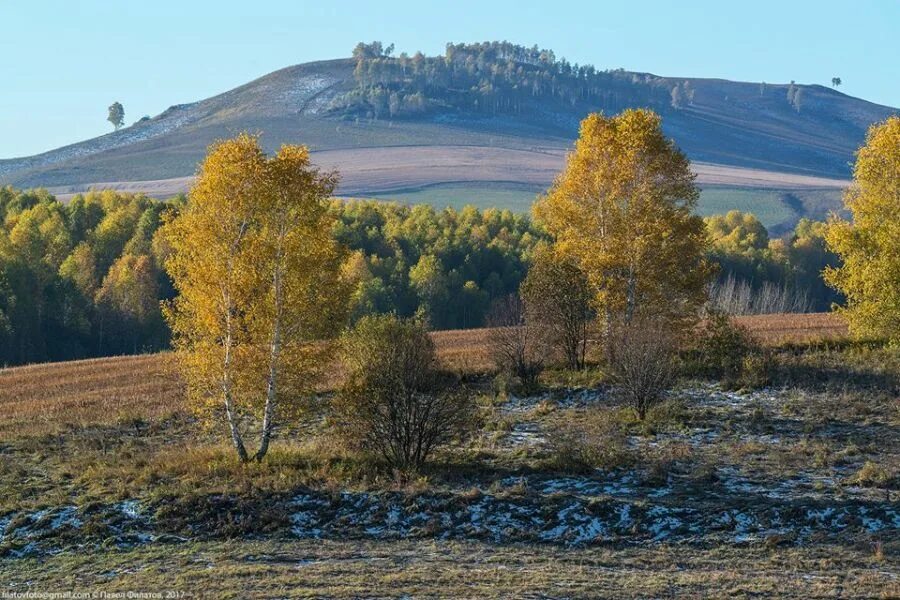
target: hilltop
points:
(492, 114)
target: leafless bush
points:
(642, 361)
(395, 402)
(515, 344)
(738, 297)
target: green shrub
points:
(395, 403)
(724, 348)
(757, 369)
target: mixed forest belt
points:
(566, 511)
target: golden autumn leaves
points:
(259, 283)
(869, 246)
(623, 209)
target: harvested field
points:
(789, 328)
(380, 170)
(468, 349)
(41, 397)
(35, 396)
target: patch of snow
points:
(526, 434)
(664, 523)
(130, 508)
(584, 486)
(66, 517)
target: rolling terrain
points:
(741, 136)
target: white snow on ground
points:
(130, 508)
(610, 485)
(4, 522)
(175, 117)
(568, 399)
(66, 517)
(711, 395)
(575, 526)
(664, 523)
(526, 434)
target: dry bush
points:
(395, 403)
(642, 361)
(515, 343)
(872, 474)
(595, 439)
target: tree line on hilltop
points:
(490, 78)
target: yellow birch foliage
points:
(259, 286)
(623, 209)
(869, 245)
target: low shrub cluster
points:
(595, 440)
(395, 402)
(728, 352)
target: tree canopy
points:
(488, 77)
(623, 208)
(869, 245)
(258, 275)
(116, 115)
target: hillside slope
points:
(727, 123)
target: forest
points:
(84, 278)
(490, 78)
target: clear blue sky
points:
(63, 62)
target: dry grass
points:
(467, 350)
(437, 569)
(66, 437)
(778, 329)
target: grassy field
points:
(767, 205)
(334, 569)
(773, 207)
(108, 482)
(517, 198)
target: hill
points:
(494, 114)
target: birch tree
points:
(869, 245)
(259, 286)
(623, 209)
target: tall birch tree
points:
(623, 209)
(258, 275)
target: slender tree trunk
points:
(274, 355)
(236, 438)
(630, 295)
